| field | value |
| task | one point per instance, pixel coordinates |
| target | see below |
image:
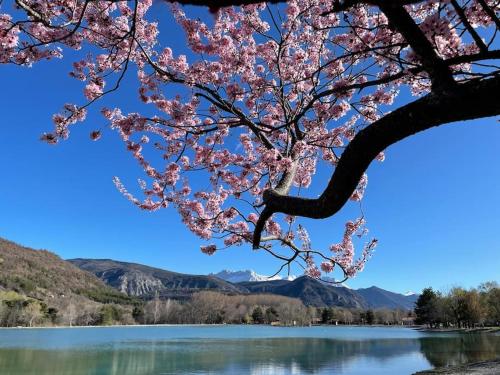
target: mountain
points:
(334, 282)
(247, 275)
(310, 291)
(143, 281)
(146, 282)
(380, 298)
(251, 275)
(42, 275)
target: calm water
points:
(235, 350)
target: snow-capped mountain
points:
(247, 275)
(409, 293)
(334, 282)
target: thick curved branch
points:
(471, 100)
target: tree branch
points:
(474, 99)
(33, 13)
(490, 12)
(461, 14)
(440, 74)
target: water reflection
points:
(253, 356)
(457, 349)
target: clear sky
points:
(433, 204)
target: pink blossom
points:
(327, 267)
(208, 249)
(313, 272)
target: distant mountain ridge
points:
(251, 275)
(374, 297)
(143, 281)
(146, 282)
(310, 291)
(379, 298)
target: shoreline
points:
(489, 330)
(459, 330)
(125, 326)
(491, 367)
(216, 325)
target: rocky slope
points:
(146, 282)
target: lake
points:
(236, 350)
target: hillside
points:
(38, 287)
(311, 292)
(43, 275)
(143, 281)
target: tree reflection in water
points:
(460, 348)
(262, 356)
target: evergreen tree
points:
(326, 315)
(138, 314)
(426, 307)
(271, 315)
(370, 317)
(258, 315)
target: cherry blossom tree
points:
(269, 93)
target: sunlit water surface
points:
(236, 350)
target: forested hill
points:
(38, 285)
(43, 275)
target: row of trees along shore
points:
(202, 308)
(212, 307)
(459, 307)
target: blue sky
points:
(433, 203)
